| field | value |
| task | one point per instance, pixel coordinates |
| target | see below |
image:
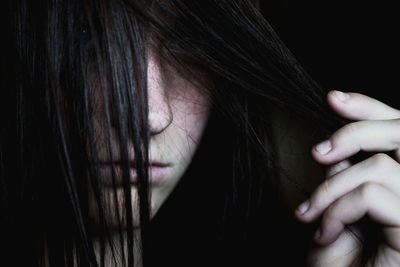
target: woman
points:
(178, 132)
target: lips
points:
(157, 173)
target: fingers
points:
(373, 199)
(375, 135)
(376, 128)
(338, 167)
(355, 106)
(370, 187)
(341, 252)
(380, 169)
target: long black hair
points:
(58, 53)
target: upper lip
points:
(132, 163)
(106, 165)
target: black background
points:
(344, 45)
(349, 46)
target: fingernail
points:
(303, 208)
(324, 147)
(341, 96)
(317, 234)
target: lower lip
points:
(157, 174)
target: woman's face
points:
(178, 112)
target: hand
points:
(368, 188)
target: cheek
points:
(196, 124)
(191, 112)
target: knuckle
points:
(330, 214)
(325, 187)
(322, 193)
(382, 161)
(336, 168)
(352, 127)
(349, 130)
(369, 191)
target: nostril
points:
(159, 119)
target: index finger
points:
(368, 136)
(356, 106)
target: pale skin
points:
(351, 191)
(370, 187)
(178, 114)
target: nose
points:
(160, 114)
